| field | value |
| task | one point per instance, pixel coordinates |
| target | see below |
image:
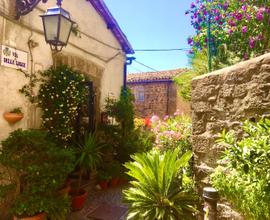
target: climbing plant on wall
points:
(60, 95)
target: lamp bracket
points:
(24, 7)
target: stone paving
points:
(102, 205)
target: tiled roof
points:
(167, 75)
(112, 24)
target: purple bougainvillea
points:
(243, 25)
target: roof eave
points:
(112, 24)
(150, 81)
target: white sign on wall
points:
(13, 58)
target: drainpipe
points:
(168, 98)
(128, 62)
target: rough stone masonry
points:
(222, 100)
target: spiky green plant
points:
(157, 192)
(89, 155)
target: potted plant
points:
(89, 157)
(114, 170)
(104, 178)
(41, 167)
(14, 115)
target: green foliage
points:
(243, 178)
(122, 135)
(199, 66)
(89, 152)
(28, 89)
(60, 95)
(104, 175)
(41, 166)
(114, 168)
(29, 205)
(224, 58)
(157, 192)
(122, 111)
(89, 155)
(16, 110)
(184, 84)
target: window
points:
(140, 94)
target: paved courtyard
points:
(102, 205)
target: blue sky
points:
(154, 24)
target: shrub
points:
(60, 95)
(157, 192)
(243, 176)
(241, 25)
(41, 167)
(172, 132)
(122, 135)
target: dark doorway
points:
(85, 122)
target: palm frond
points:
(153, 194)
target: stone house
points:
(97, 48)
(156, 94)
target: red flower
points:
(147, 122)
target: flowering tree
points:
(243, 25)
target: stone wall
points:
(222, 100)
(160, 98)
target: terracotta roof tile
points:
(167, 75)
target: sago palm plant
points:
(156, 192)
(89, 155)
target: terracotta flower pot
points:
(40, 216)
(123, 181)
(12, 117)
(114, 182)
(78, 198)
(103, 184)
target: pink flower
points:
(245, 56)
(177, 112)
(238, 16)
(244, 7)
(166, 117)
(154, 119)
(231, 23)
(259, 16)
(248, 17)
(244, 29)
(259, 37)
(251, 42)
